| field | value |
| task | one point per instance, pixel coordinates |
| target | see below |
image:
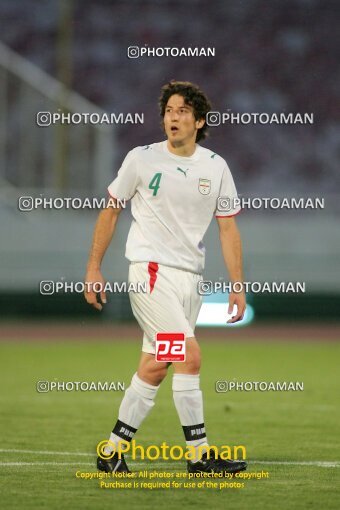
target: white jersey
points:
(173, 200)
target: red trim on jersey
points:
(152, 269)
(115, 198)
(231, 215)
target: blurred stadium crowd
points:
(277, 56)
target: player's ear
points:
(200, 123)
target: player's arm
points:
(103, 232)
(232, 253)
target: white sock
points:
(189, 404)
(134, 408)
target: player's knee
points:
(194, 354)
(153, 375)
(161, 374)
(194, 363)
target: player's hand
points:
(238, 299)
(94, 276)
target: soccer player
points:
(173, 186)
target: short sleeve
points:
(228, 203)
(124, 185)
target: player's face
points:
(179, 122)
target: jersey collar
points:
(181, 159)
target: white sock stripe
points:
(136, 404)
(144, 389)
(117, 466)
(185, 382)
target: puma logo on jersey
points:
(183, 171)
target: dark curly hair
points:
(193, 96)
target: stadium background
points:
(72, 56)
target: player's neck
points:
(185, 150)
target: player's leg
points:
(134, 408)
(151, 371)
(188, 397)
(189, 404)
(139, 396)
(186, 380)
(138, 399)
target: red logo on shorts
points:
(170, 347)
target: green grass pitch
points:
(292, 435)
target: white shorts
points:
(171, 303)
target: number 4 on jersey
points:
(154, 183)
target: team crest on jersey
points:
(204, 186)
